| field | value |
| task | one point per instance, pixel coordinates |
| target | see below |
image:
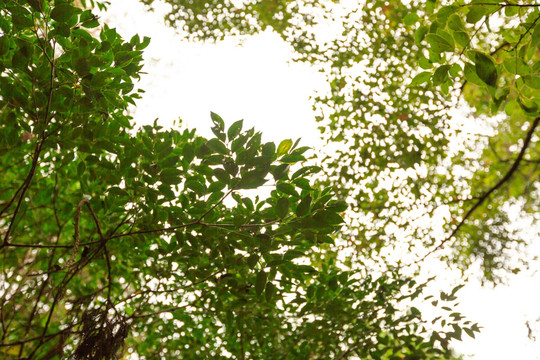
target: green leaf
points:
(469, 332)
(337, 205)
(420, 34)
(81, 169)
(252, 260)
(532, 81)
(485, 68)
(222, 175)
(260, 282)
(476, 13)
(461, 38)
(446, 11)
(303, 207)
(455, 23)
(280, 171)
(535, 36)
(284, 147)
(218, 121)
(268, 150)
(292, 158)
(251, 180)
(527, 105)
(62, 12)
(188, 152)
(421, 78)
(439, 44)
(410, 19)
(196, 186)
(269, 291)
(235, 129)
(217, 146)
(440, 75)
(328, 217)
(471, 76)
(286, 188)
(115, 190)
(37, 5)
(282, 207)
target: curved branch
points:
(500, 183)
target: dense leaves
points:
(125, 241)
(397, 71)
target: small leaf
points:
(269, 291)
(332, 283)
(439, 44)
(252, 260)
(455, 23)
(282, 207)
(469, 332)
(471, 76)
(292, 158)
(303, 207)
(475, 13)
(260, 282)
(62, 12)
(115, 190)
(485, 69)
(328, 218)
(218, 121)
(532, 81)
(188, 152)
(461, 38)
(195, 186)
(284, 147)
(280, 171)
(420, 34)
(235, 129)
(440, 75)
(222, 175)
(268, 150)
(535, 37)
(251, 180)
(527, 105)
(421, 78)
(287, 189)
(410, 19)
(217, 146)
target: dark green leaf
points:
(485, 68)
(282, 207)
(303, 207)
(287, 188)
(217, 146)
(439, 44)
(62, 12)
(235, 129)
(218, 121)
(269, 291)
(260, 282)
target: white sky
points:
(257, 83)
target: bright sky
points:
(258, 83)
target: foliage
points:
(396, 71)
(119, 240)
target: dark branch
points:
(488, 193)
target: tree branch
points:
(486, 195)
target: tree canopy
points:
(121, 241)
(396, 71)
